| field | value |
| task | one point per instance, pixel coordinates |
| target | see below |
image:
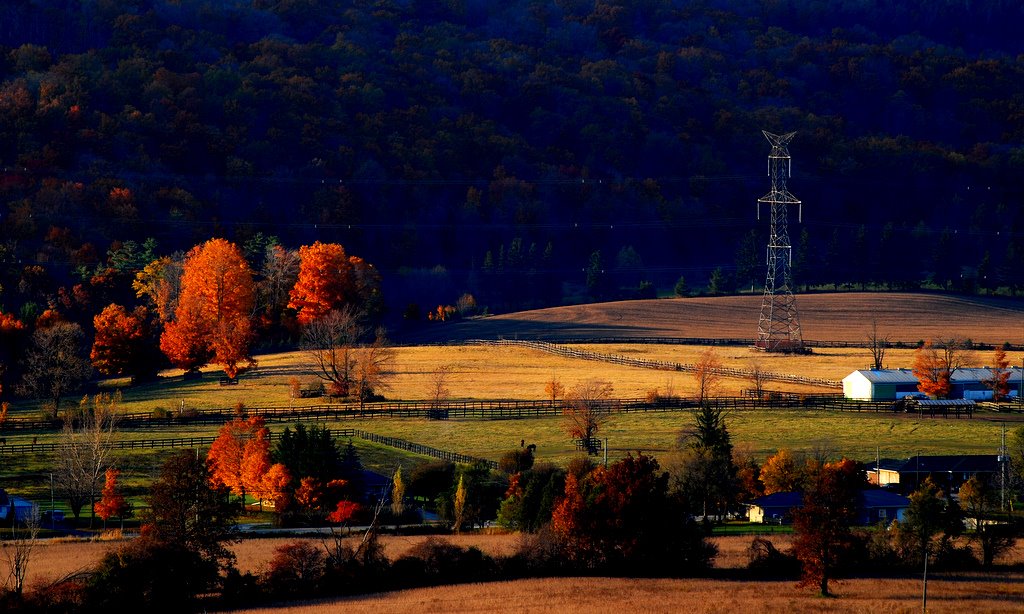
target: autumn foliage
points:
(212, 318)
(622, 517)
(112, 502)
(239, 459)
(120, 341)
(781, 473)
(999, 380)
(326, 281)
(822, 524)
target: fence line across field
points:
(483, 410)
(202, 442)
(661, 365)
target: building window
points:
(881, 514)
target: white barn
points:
(893, 384)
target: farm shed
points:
(948, 472)
(879, 385)
(893, 384)
(885, 473)
(875, 505)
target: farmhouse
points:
(947, 472)
(875, 506)
(893, 384)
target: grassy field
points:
(481, 372)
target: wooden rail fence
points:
(661, 365)
(202, 442)
(478, 410)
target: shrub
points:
(764, 559)
(438, 561)
(149, 573)
(295, 569)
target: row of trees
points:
(565, 126)
(934, 364)
(210, 305)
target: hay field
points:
(843, 316)
(1000, 592)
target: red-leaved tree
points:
(822, 523)
(121, 337)
(622, 518)
(999, 380)
(112, 502)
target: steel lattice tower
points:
(778, 329)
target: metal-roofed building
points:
(880, 385)
(894, 384)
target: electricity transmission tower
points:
(778, 329)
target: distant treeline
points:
(527, 152)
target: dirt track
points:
(824, 317)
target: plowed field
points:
(824, 317)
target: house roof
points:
(883, 498)
(870, 498)
(906, 376)
(886, 464)
(886, 376)
(966, 463)
(978, 374)
(779, 499)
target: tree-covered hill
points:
(495, 147)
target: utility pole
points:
(1003, 459)
(778, 328)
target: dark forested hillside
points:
(517, 150)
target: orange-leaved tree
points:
(238, 456)
(212, 318)
(780, 473)
(276, 486)
(999, 380)
(119, 344)
(934, 365)
(112, 502)
(325, 281)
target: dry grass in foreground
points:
(999, 592)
